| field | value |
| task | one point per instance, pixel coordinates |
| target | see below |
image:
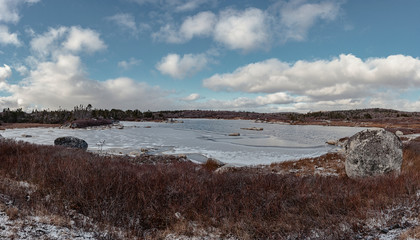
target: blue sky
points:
(248, 55)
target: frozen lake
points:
(203, 137)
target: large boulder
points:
(71, 142)
(373, 153)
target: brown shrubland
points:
(152, 198)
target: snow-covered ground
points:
(202, 137)
(31, 227)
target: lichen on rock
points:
(373, 153)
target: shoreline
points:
(5, 126)
(412, 125)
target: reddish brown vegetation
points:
(148, 199)
(83, 123)
(328, 164)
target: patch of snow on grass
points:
(34, 228)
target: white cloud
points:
(8, 38)
(275, 98)
(9, 10)
(48, 42)
(128, 64)
(252, 28)
(244, 30)
(177, 5)
(169, 34)
(9, 13)
(346, 77)
(297, 17)
(63, 40)
(81, 39)
(191, 97)
(55, 77)
(63, 83)
(22, 70)
(189, 5)
(201, 24)
(125, 21)
(5, 73)
(255, 77)
(181, 67)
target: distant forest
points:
(81, 112)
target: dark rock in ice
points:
(71, 142)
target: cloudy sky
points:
(242, 55)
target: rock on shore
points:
(373, 153)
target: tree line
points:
(81, 112)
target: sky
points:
(247, 55)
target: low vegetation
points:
(81, 112)
(151, 200)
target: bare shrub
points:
(83, 123)
(12, 213)
(211, 165)
(413, 233)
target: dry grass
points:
(211, 165)
(12, 213)
(331, 164)
(413, 233)
(151, 199)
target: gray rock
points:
(71, 142)
(373, 153)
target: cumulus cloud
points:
(128, 64)
(56, 77)
(9, 9)
(61, 40)
(62, 82)
(191, 97)
(125, 21)
(5, 73)
(275, 98)
(345, 77)
(245, 30)
(180, 67)
(9, 13)
(189, 5)
(297, 17)
(252, 28)
(80, 39)
(199, 25)
(7, 38)
(178, 5)
(48, 42)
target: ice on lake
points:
(202, 138)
